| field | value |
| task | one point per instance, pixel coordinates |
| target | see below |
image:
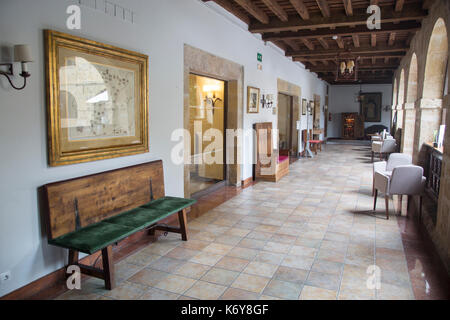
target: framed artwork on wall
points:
(97, 100)
(253, 100)
(304, 106)
(371, 106)
(311, 105)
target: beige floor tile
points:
(157, 294)
(291, 275)
(283, 289)
(228, 240)
(250, 283)
(303, 251)
(175, 284)
(238, 294)
(297, 262)
(166, 264)
(261, 269)
(252, 243)
(148, 277)
(323, 280)
(238, 232)
(142, 258)
(270, 257)
(206, 258)
(232, 263)
(220, 276)
(192, 270)
(277, 247)
(181, 253)
(195, 244)
(244, 253)
(327, 266)
(315, 293)
(127, 291)
(206, 291)
(218, 248)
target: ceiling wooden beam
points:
(410, 13)
(371, 67)
(251, 8)
(391, 40)
(373, 39)
(323, 43)
(348, 7)
(276, 9)
(399, 5)
(355, 38)
(301, 8)
(343, 31)
(308, 44)
(230, 7)
(354, 51)
(324, 7)
(332, 56)
(292, 44)
(340, 42)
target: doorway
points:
(287, 127)
(207, 121)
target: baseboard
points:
(247, 182)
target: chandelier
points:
(347, 66)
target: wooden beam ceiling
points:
(313, 31)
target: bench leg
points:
(183, 224)
(108, 267)
(73, 257)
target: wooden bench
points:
(92, 213)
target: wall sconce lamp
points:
(22, 54)
(267, 101)
(208, 89)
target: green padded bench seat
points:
(97, 236)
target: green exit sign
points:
(259, 57)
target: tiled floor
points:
(310, 236)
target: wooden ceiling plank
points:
(276, 9)
(301, 8)
(348, 7)
(392, 37)
(340, 42)
(373, 39)
(357, 51)
(331, 56)
(343, 31)
(399, 5)
(256, 12)
(324, 7)
(388, 15)
(308, 44)
(355, 38)
(227, 5)
(323, 42)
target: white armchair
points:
(395, 160)
(383, 147)
(403, 180)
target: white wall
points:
(342, 100)
(162, 28)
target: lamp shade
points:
(22, 53)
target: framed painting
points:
(97, 100)
(304, 107)
(311, 106)
(253, 100)
(371, 106)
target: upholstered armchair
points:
(395, 160)
(386, 146)
(403, 180)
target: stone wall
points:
(424, 110)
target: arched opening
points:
(412, 81)
(409, 112)
(394, 106)
(394, 93)
(436, 62)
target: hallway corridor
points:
(310, 236)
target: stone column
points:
(409, 126)
(428, 119)
(399, 116)
(443, 216)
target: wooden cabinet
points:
(352, 126)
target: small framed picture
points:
(311, 105)
(253, 100)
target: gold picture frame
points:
(304, 107)
(97, 100)
(253, 99)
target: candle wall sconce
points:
(267, 101)
(22, 54)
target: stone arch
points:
(436, 62)
(409, 112)
(401, 89)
